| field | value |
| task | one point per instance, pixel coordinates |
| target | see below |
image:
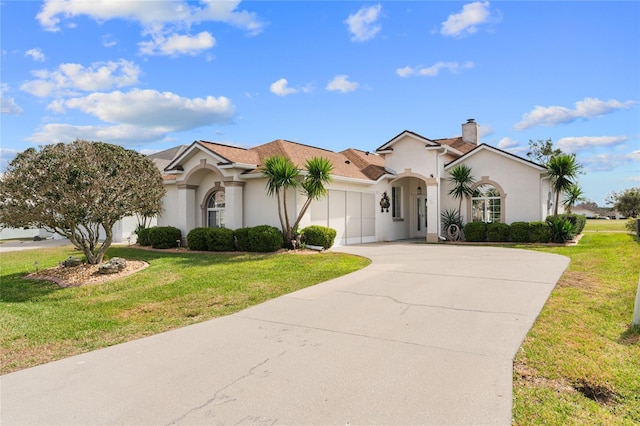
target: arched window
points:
(215, 210)
(486, 204)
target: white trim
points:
(495, 151)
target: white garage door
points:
(350, 213)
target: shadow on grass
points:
(631, 335)
(186, 258)
(15, 288)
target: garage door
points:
(350, 213)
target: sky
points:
(150, 75)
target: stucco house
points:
(212, 184)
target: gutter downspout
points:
(439, 220)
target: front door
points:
(420, 229)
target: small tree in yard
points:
(75, 189)
(562, 170)
(282, 174)
(627, 202)
(462, 181)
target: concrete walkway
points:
(424, 335)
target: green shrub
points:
(632, 225)
(497, 232)
(561, 229)
(143, 237)
(577, 220)
(220, 239)
(519, 232)
(319, 236)
(475, 231)
(241, 238)
(265, 238)
(197, 239)
(539, 232)
(163, 237)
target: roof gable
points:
(483, 147)
(388, 146)
(351, 163)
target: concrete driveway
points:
(425, 335)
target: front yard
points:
(580, 363)
(40, 322)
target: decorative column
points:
(186, 208)
(234, 205)
(432, 211)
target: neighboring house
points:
(23, 233)
(589, 214)
(211, 184)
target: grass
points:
(40, 322)
(580, 363)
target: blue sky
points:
(150, 75)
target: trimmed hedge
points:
(197, 239)
(143, 237)
(539, 232)
(220, 239)
(163, 237)
(497, 232)
(265, 238)
(475, 231)
(241, 238)
(316, 235)
(519, 232)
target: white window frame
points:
(218, 208)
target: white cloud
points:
(281, 88)
(341, 83)
(160, 12)
(108, 40)
(176, 44)
(70, 78)
(467, 21)
(363, 25)
(120, 134)
(153, 109)
(163, 20)
(35, 54)
(586, 109)
(8, 105)
(506, 143)
(608, 162)
(433, 70)
(634, 178)
(573, 143)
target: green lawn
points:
(40, 322)
(580, 363)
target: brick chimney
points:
(471, 132)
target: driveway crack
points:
(215, 395)
(423, 305)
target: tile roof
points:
(351, 163)
(232, 154)
(456, 143)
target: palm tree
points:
(562, 170)
(462, 182)
(282, 174)
(572, 195)
(313, 186)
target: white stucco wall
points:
(525, 197)
(169, 215)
